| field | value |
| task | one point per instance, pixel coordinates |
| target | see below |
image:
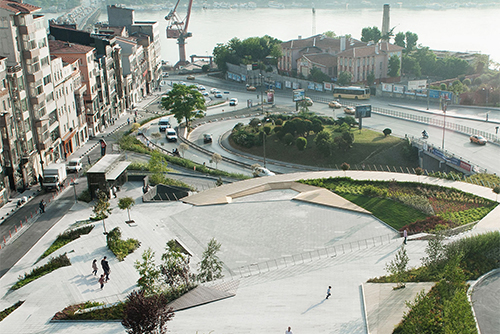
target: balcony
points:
(37, 99)
(29, 54)
(35, 76)
(26, 30)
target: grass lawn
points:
(370, 147)
(391, 212)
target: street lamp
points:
(74, 189)
(444, 122)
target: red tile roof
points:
(16, 7)
(324, 59)
(66, 47)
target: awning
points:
(68, 137)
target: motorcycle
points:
(425, 135)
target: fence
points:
(310, 256)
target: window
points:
(47, 80)
(44, 61)
(20, 83)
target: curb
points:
(365, 314)
(470, 290)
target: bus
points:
(357, 93)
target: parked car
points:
(334, 104)
(171, 135)
(205, 94)
(218, 95)
(251, 88)
(477, 139)
(200, 87)
(213, 90)
(74, 166)
(207, 138)
(233, 102)
(261, 171)
(350, 110)
(190, 77)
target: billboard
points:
(436, 94)
(310, 85)
(288, 84)
(417, 84)
(363, 111)
(270, 96)
(296, 85)
(328, 86)
(298, 95)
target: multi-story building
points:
(23, 41)
(6, 133)
(69, 52)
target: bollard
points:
(21, 224)
(31, 215)
(26, 220)
(15, 227)
(10, 235)
(4, 242)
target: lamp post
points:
(444, 122)
(74, 189)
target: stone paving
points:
(254, 230)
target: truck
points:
(54, 176)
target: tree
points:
(216, 158)
(344, 78)
(210, 265)
(344, 141)
(387, 132)
(398, 267)
(301, 143)
(410, 65)
(148, 272)
(345, 166)
(435, 254)
(175, 268)
(323, 143)
(411, 41)
(318, 76)
(370, 78)
(288, 139)
(184, 102)
(371, 34)
(394, 66)
(101, 208)
(126, 203)
(330, 34)
(400, 39)
(205, 68)
(146, 314)
(183, 147)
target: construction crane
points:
(177, 29)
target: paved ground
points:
(280, 257)
(485, 297)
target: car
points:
(213, 90)
(190, 77)
(334, 104)
(350, 110)
(200, 87)
(251, 88)
(171, 135)
(164, 123)
(233, 102)
(165, 75)
(261, 171)
(207, 138)
(309, 102)
(218, 95)
(477, 139)
(74, 165)
(205, 94)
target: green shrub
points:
(9, 310)
(387, 132)
(288, 139)
(121, 248)
(301, 143)
(85, 196)
(65, 238)
(114, 312)
(53, 264)
(373, 191)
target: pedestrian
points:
(328, 292)
(405, 235)
(135, 119)
(42, 206)
(114, 191)
(102, 281)
(128, 120)
(105, 268)
(88, 159)
(136, 113)
(94, 267)
(289, 330)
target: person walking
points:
(289, 330)
(42, 206)
(105, 268)
(405, 235)
(114, 191)
(102, 281)
(328, 292)
(94, 267)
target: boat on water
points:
(276, 5)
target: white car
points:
(74, 166)
(200, 87)
(218, 95)
(171, 135)
(261, 171)
(213, 90)
(233, 102)
(205, 94)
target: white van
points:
(171, 135)
(164, 123)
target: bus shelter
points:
(109, 171)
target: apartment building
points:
(6, 133)
(23, 42)
(85, 55)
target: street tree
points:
(370, 78)
(101, 208)
(330, 34)
(184, 102)
(344, 78)
(146, 314)
(345, 167)
(323, 143)
(126, 203)
(148, 272)
(216, 158)
(400, 39)
(394, 66)
(398, 267)
(175, 268)
(210, 267)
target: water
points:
(461, 29)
